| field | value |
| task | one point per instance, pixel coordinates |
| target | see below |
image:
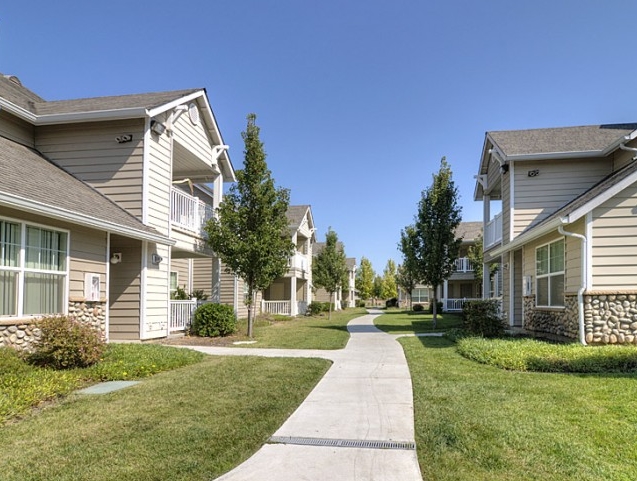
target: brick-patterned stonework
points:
(22, 334)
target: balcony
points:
(299, 262)
(463, 264)
(493, 232)
(189, 213)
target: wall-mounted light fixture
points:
(504, 168)
(156, 259)
(533, 173)
(116, 258)
(157, 127)
(122, 139)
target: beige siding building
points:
(566, 233)
(116, 192)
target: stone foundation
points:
(610, 318)
(22, 334)
(556, 322)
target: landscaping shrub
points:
(393, 302)
(418, 308)
(66, 343)
(430, 309)
(360, 303)
(212, 320)
(482, 318)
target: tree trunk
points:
(435, 307)
(250, 313)
(329, 315)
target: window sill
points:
(550, 308)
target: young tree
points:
(377, 290)
(365, 279)
(250, 232)
(389, 289)
(436, 222)
(329, 268)
(407, 274)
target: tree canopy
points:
(389, 289)
(436, 222)
(249, 232)
(329, 269)
(365, 279)
(407, 272)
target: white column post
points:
(294, 308)
(445, 294)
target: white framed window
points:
(92, 286)
(174, 283)
(33, 269)
(549, 274)
(420, 294)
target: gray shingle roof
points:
(296, 214)
(469, 231)
(25, 173)
(588, 138)
(12, 89)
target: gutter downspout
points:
(580, 291)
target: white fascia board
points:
(556, 155)
(24, 114)
(96, 115)
(27, 205)
(601, 198)
(175, 103)
(224, 159)
(525, 238)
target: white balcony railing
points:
(188, 212)
(456, 305)
(493, 231)
(299, 261)
(181, 314)
(276, 307)
(463, 264)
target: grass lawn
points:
(477, 422)
(303, 332)
(192, 423)
(407, 322)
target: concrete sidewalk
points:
(357, 423)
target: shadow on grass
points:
(435, 342)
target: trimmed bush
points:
(315, 308)
(66, 343)
(393, 302)
(418, 308)
(213, 320)
(360, 303)
(430, 309)
(482, 318)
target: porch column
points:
(294, 308)
(445, 295)
(486, 281)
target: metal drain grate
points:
(344, 443)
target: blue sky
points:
(357, 100)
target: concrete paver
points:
(366, 395)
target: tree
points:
(389, 289)
(436, 222)
(476, 256)
(329, 269)
(377, 290)
(250, 231)
(407, 273)
(365, 279)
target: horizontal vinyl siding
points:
(125, 290)
(157, 294)
(90, 152)
(16, 129)
(506, 209)
(181, 267)
(193, 137)
(615, 242)
(159, 182)
(557, 183)
(202, 275)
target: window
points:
(174, 283)
(420, 294)
(549, 273)
(33, 269)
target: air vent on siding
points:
(14, 79)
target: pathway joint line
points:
(344, 443)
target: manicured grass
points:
(192, 423)
(24, 386)
(304, 332)
(476, 422)
(407, 322)
(534, 355)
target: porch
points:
(283, 308)
(493, 231)
(181, 313)
(188, 212)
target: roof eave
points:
(39, 208)
(90, 116)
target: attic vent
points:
(14, 79)
(193, 113)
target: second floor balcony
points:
(463, 264)
(189, 213)
(493, 232)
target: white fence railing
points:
(493, 231)
(457, 304)
(463, 264)
(181, 314)
(189, 212)
(276, 307)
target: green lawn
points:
(311, 332)
(476, 422)
(407, 322)
(192, 423)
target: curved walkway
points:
(357, 423)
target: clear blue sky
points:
(357, 100)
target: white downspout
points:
(580, 291)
